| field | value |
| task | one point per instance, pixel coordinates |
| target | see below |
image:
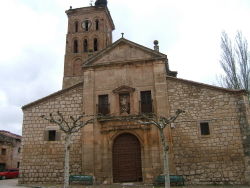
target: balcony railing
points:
(103, 109)
(146, 108)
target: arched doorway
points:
(127, 159)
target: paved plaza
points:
(12, 183)
(9, 183)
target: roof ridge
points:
(208, 85)
(51, 95)
(10, 134)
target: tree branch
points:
(68, 127)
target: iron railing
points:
(103, 109)
(146, 108)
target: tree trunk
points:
(66, 160)
(165, 158)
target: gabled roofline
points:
(10, 134)
(60, 92)
(116, 43)
(207, 85)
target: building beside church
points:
(210, 143)
(10, 147)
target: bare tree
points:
(68, 127)
(161, 123)
(243, 60)
(235, 62)
(76, 124)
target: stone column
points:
(88, 155)
(161, 105)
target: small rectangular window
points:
(86, 25)
(204, 127)
(76, 26)
(95, 44)
(4, 151)
(146, 102)
(52, 135)
(2, 167)
(75, 50)
(85, 45)
(97, 25)
(103, 104)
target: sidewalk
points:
(145, 186)
(12, 183)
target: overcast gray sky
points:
(32, 42)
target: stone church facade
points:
(210, 143)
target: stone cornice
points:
(120, 63)
(122, 127)
(123, 89)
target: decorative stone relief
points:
(124, 103)
(125, 93)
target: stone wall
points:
(43, 161)
(244, 119)
(207, 159)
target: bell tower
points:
(89, 31)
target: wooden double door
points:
(127, 159)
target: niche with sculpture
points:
(124, 96)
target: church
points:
(209, 144)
